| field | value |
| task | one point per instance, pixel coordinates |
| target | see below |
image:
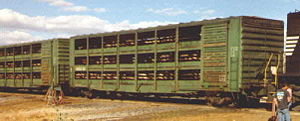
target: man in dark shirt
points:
(281, 100)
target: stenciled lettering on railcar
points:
(233, 51)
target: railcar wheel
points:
(88, 93)
(219, 101)
(2, 89)
(242, 101)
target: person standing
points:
(289, 90)
(281, 101)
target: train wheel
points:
(241, 101)
(88, 93)
(2, 89)
(219, 101)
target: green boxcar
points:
(34, 64)
(228, 55)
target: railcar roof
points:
(30, 42)
(205, 21)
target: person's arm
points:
(289, 95)
(274, 106)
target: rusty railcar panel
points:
(257, 22)
(293, 26)
(293, 62)
(292, 49)
(260, 39)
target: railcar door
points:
(214, 55)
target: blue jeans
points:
(283, 115)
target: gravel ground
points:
(27, 107)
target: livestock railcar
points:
(34, 65)
(219, 58)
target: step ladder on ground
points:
(54, 96)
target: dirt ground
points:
(28, 107)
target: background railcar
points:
(212, 57)
(34, 65)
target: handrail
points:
(277, 66)
(266, 69)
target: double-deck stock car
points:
(224, 60)
(35, 65)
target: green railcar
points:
(231, 55)
(34, 65)
(219, 58)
